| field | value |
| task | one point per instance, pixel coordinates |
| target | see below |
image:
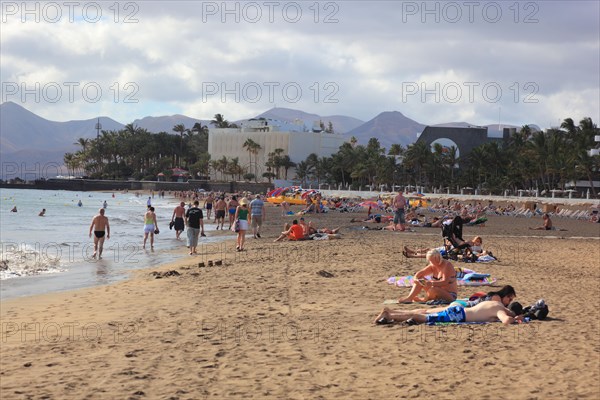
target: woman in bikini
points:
(443, 284)
(232, 206)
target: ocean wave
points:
(26, 262)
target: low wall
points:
(464, 197)
(84, 185)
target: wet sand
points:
(294, 320)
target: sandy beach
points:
(294, 320)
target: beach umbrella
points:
(308, 193)
(277, 192)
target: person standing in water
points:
(100, 227)
(150, 226)
(177, 219)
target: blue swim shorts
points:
(450, 314)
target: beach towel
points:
(525, 321)
(429, 303)
(485, 259)
(464, 276)
(480, 220)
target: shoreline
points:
(220, 244)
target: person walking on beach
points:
(258, 213)
(220, 207)
(232, 206)
(399, 204)
(177, 219)
(208, 204)
(241, 216)
(100, 227)
(150, 226)
(195, 224)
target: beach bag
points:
(236, 226)
(539, 310)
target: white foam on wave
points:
(25, 261)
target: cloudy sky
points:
(481, 62)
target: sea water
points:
(54, 252)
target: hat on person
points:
(244, 201)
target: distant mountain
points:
(166, 123)
(341, 123)
(21, 129)
(390, 127)
(28, 138)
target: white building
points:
(295, 139)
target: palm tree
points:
(83, 142)
(220, 122)
(181, 129)
(395, 150)
(68, 160)
(234, 167)
(253, 148)
(418, 157)
(452, 161)
(302, 172)
(286, 164)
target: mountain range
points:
(28, 138)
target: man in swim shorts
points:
(220, 207)
(101, 227)
(487, 311)
(399, 203)
(451, 314)
(208, 204)
(177, 219)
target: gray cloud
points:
(363, 62)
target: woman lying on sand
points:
(474, 248)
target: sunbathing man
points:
(487, 311)
(547, 226)
(420, 253)
(393, 227)
(505, 295)
(443, 284)
(312, 230)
